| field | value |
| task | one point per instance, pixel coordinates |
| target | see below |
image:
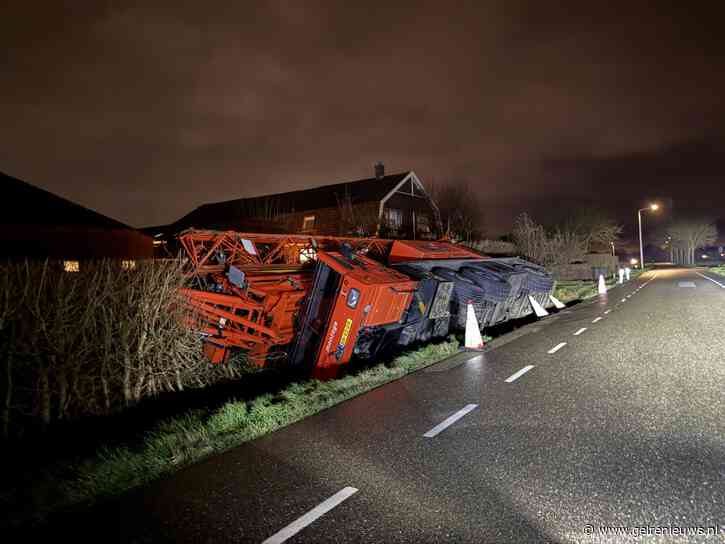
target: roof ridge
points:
(48, 194)
(397, 174)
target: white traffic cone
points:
(538, 308)
(602, 285)
(627, 272)
(559, 305)
(621, 275)
(473, 333)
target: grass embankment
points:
(571, 290)
(200, 433)
(720, 270)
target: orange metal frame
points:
(261, 314)
(201, 245)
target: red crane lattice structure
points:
(273, 273)
(246, 248)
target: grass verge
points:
(197, 434)
(720, 270)
(571, 290)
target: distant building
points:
(391, 206)
(37, 224)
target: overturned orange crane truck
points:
(315, 302)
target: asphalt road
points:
(623, 426)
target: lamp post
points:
(654, 208)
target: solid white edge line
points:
(317, 512)
(597, 319)
(518, 374)
(450, 420)
(712, 280)
(577, 333)
(556, 348)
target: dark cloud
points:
(144, 112)
(686, 178)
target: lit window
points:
(71, 266)
(128, 265)
(308, 254)
(309, 222)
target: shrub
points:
(92, 342)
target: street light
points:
(654, 208)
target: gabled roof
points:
(226, 214)
(24, 204)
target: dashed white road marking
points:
(557, 347)
(712, 280)
(597, 319)
(624, 300)
(450, 420)
(317, 512)
(518, 374)
(607, 311)
(577, 333)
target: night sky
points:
(144, 113)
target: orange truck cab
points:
(349, 293)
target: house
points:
(35, 223)
(389, 206)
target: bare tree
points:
(562, 244)
(13, 295)
(689, 235)
(460, 210)
(594, 228)
(565, 246)
(530, 239)
(267, 208)
(357, 219)
(559, 246)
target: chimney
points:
(379, 170)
